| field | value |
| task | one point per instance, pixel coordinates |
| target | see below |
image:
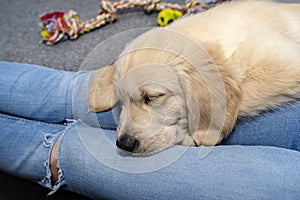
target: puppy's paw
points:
(207, 138)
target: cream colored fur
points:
(187, 83)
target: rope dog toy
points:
(60, 26)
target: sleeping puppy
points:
(189, 82)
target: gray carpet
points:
(19, 41)
(19, 34)
(20, 37)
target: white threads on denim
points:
(48, 142)
(47, 139)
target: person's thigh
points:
(49, 95)
(279, 127)
(92, 165)
(35, 92)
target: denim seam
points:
(69, 99)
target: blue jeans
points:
(259, 160)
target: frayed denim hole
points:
(70, 123)
(49, 140)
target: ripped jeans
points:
(259, 160)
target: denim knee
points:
(26, 146)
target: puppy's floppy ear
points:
(212, 97)
(101, 90)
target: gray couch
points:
(19, 41)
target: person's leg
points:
(279, 127)
(48, 95)
(93, 167)
(25, 148)
(35, 92)
(90, 164)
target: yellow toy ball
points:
(167, 16)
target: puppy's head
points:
(172, 91)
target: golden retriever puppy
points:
(188, 83)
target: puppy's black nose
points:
(127, 143)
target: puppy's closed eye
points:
(150, 98)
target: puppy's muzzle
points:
(127, 143)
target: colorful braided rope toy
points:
(60, 26)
